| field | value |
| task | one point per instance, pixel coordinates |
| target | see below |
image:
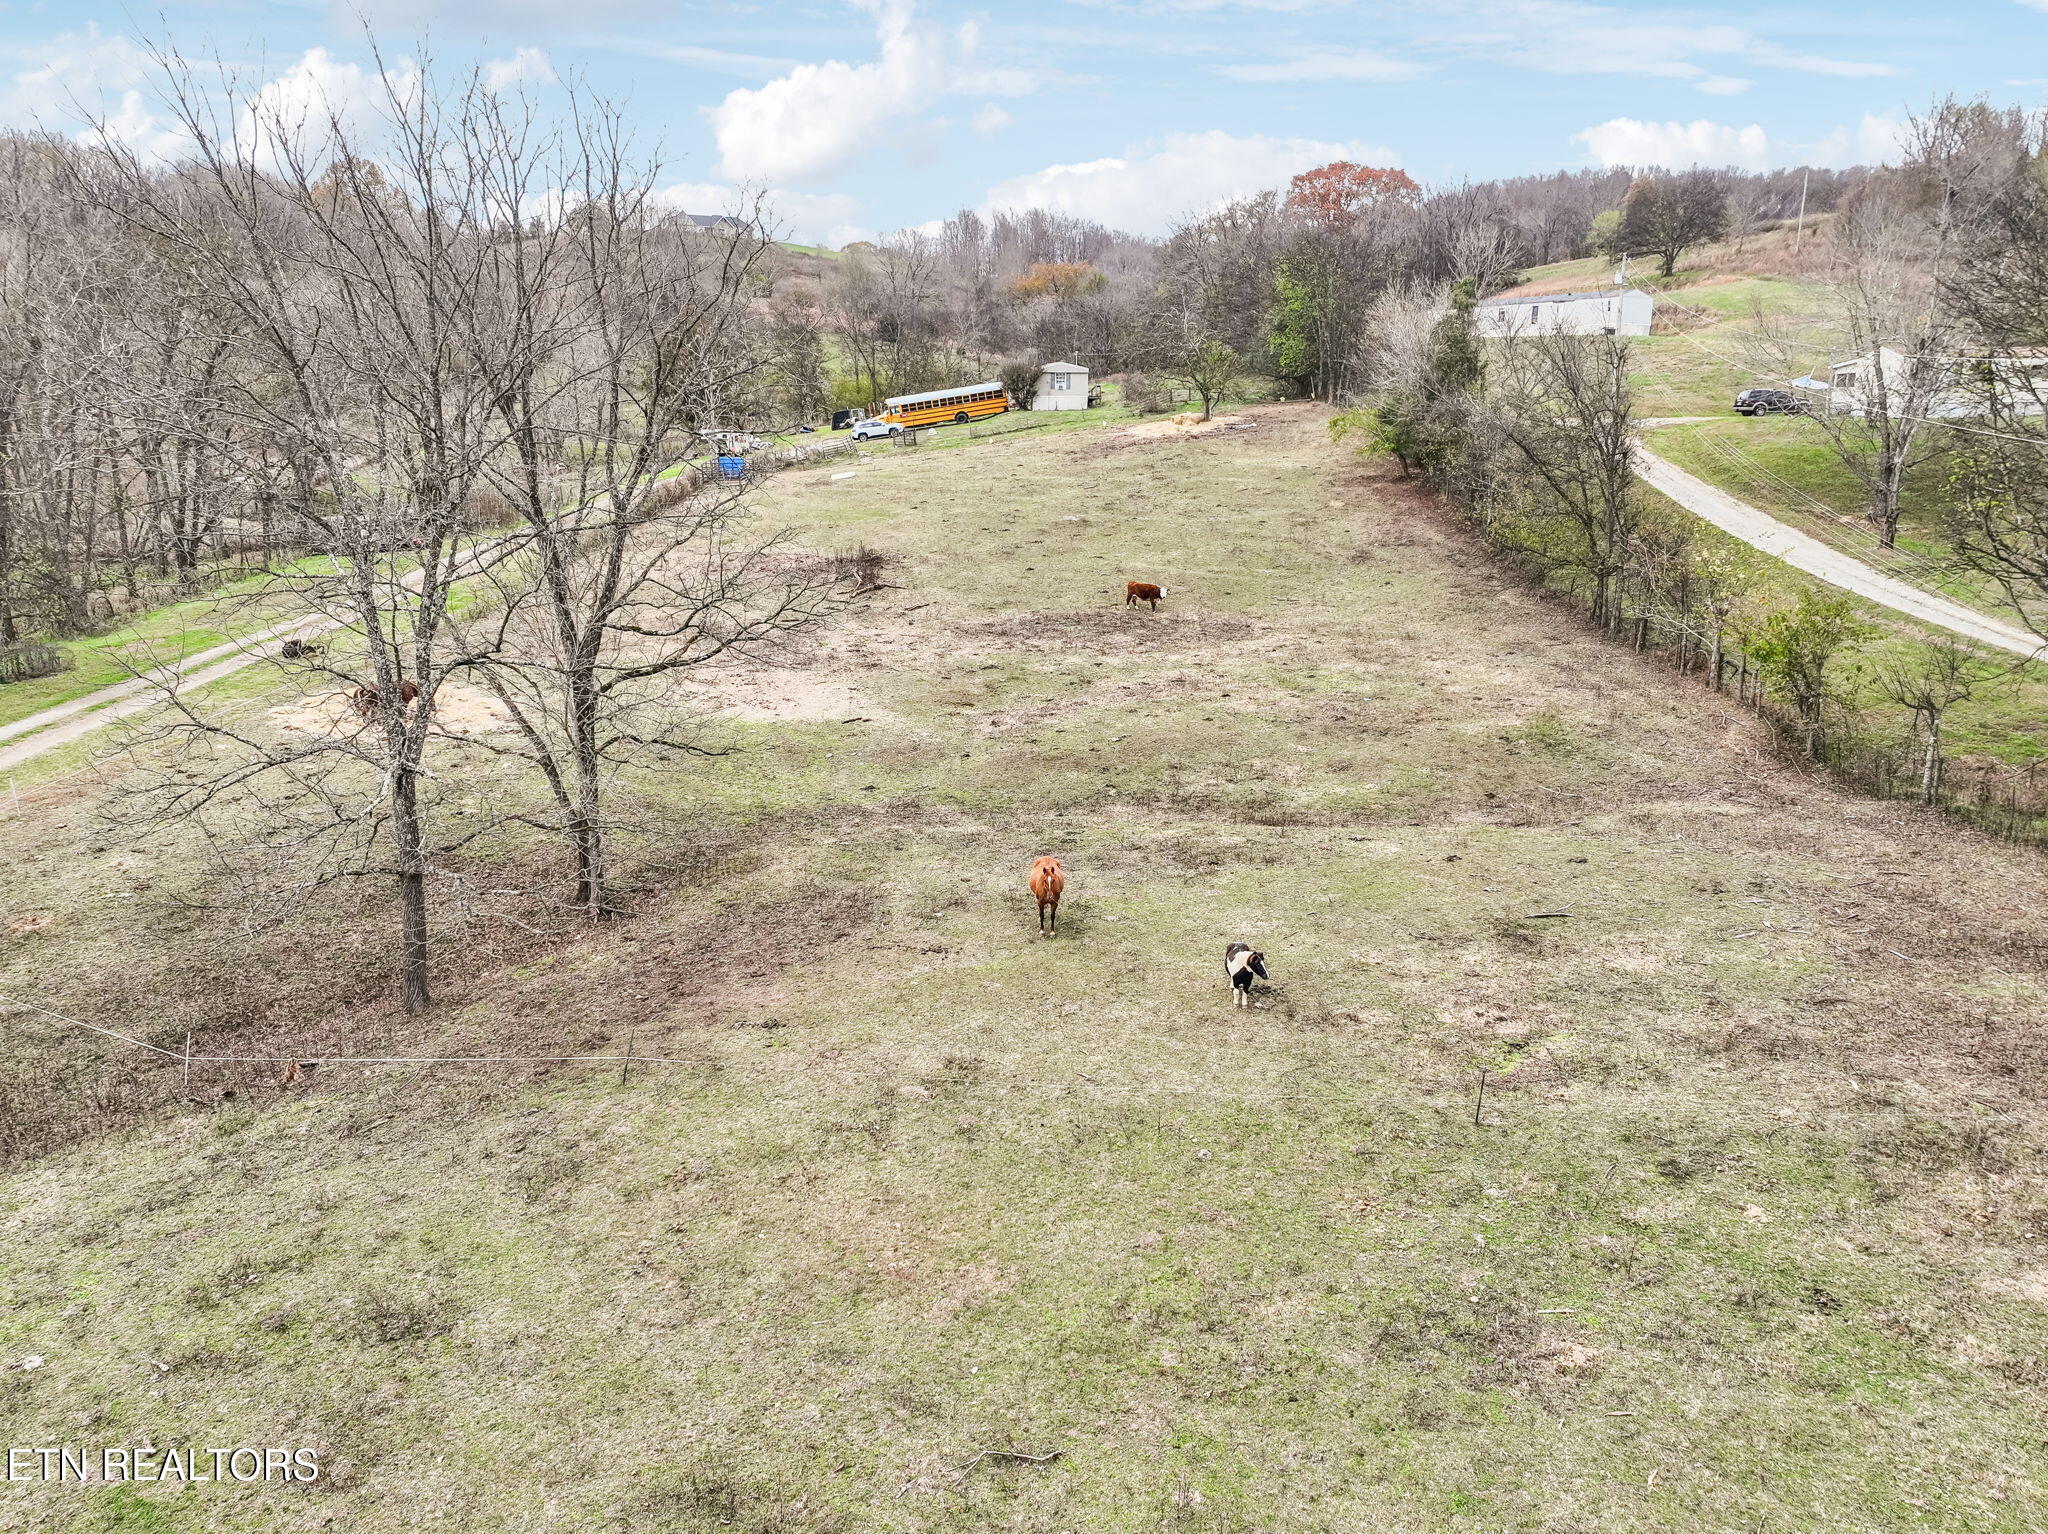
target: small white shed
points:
(1061, 386)
(1609, 311)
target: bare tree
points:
(1891, 282)
(1997, 515)
(1884, 284)
(616, 338)
(1562, 410)
(343, 266)
(1927, 682)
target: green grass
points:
(1748, 1231)
(172, 632)
(1783, 465)
(1800, 478)
(1800, 468)
(2006, 722)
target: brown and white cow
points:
(1241, 962)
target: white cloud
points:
(989, 117)
(1329, 64)
(813, 121)
(1723, 85)
(1807, 63)
(809, 218)
(1877, 140)
(1624, 141)
(72, 67)
(1147, 187)
(135, 126)
(759, 64)
(301, 112)
(500, 18)
(1676, 146)
(93, 78)
(528, 66)
(1571, 38)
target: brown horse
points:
(1047, 880)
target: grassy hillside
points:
(1779, 251)
(1748, 1232)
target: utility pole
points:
(1799, 228)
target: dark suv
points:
(1764, 401)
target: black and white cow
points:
(1240, 963)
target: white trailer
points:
(1609, 312)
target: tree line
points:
(1277, 286)
(113, 344)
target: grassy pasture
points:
(160, 635)
(1749, 1231)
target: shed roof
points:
(1063, 367)
(1556, 298)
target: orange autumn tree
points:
(1340, 191)
(1058, 280)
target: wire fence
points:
(1876, 756)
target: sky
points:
(864, 116)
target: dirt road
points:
(1761, 530)
(66, 722)
(59, 726)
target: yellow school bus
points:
(969, 403)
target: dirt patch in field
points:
(1174, 427)
(458, 710)
(782, 697)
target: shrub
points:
(1148, 395)
(864, 566)
(26, 661)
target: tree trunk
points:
(408, 832)
(586, 827)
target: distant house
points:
(1061, 386)
(1957, 387)
(1609, 312)
(717, 223)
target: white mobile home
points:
(1061, 386)
(1950, 387)
(1610, 312)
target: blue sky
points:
(870, 115)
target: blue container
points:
(732, 466)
